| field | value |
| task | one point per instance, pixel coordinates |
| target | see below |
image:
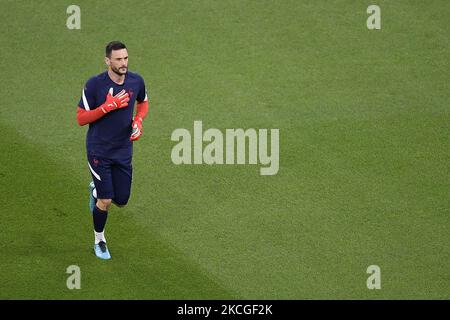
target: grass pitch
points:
(364, 151)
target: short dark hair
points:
(113, 45)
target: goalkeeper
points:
(107, 105)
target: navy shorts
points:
(112, 178)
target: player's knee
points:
(103, 204)
(120, 205)
(120, 201)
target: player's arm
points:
(120, 100)
(141, 113)
(141, 110)
(85, 117)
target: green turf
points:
(364, 151)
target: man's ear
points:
(107, 61)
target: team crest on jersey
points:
(130, 92)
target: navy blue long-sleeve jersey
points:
(109, 136)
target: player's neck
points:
(115, 77)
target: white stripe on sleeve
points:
(85, 102)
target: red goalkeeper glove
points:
(137, 128)
(120, 100)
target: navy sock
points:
(100, 217)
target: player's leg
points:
(122, 173)
(102, 177)
(92, 196)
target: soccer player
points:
(107, 105)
